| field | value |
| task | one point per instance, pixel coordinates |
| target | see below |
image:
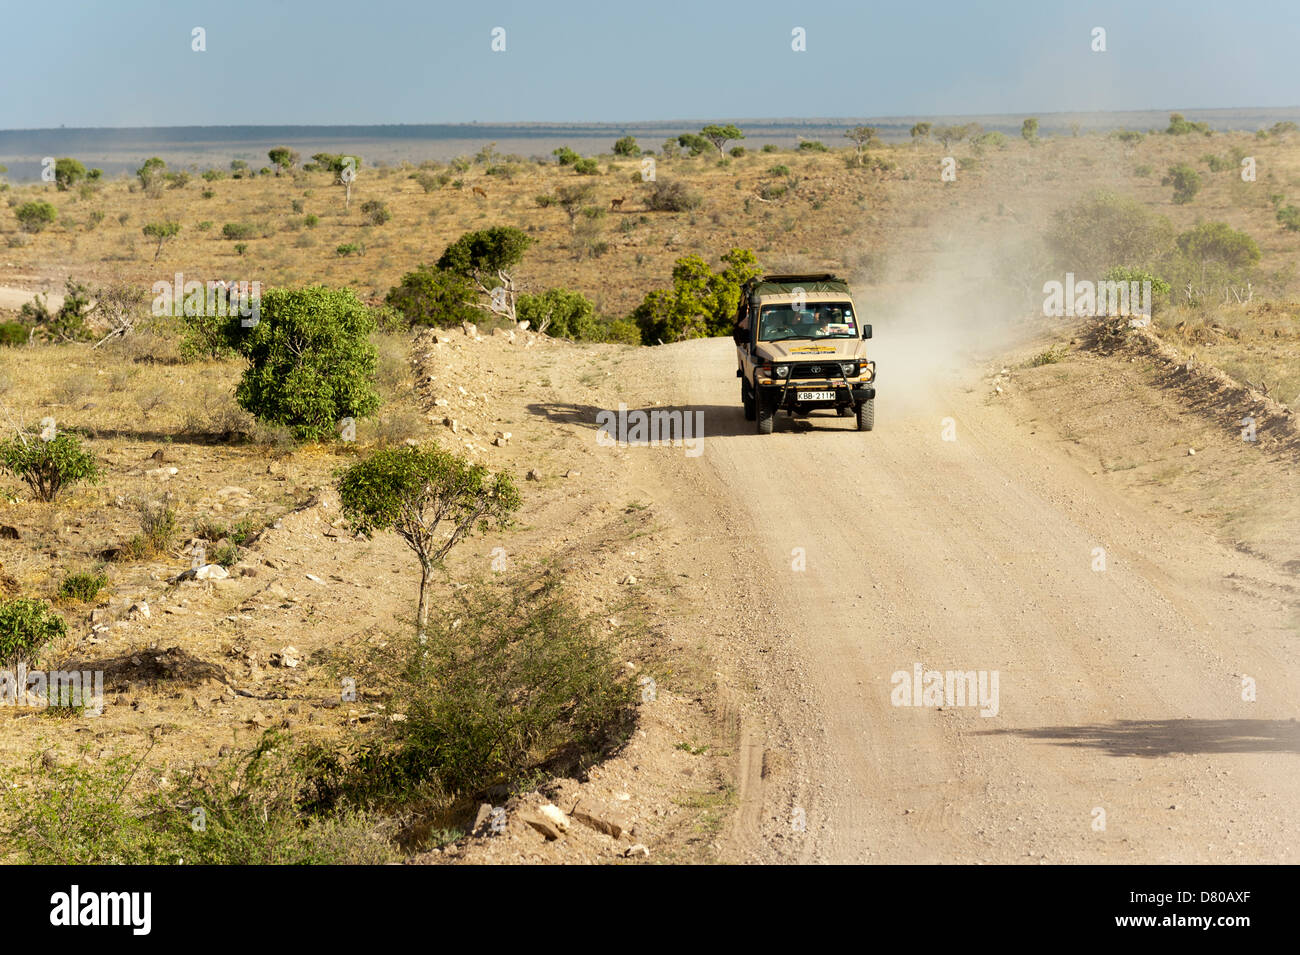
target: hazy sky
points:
(130, 63)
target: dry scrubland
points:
(204, 672)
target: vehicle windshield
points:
(815, 320)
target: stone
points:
(534, 474)
(211, 572)
(601, 824)
(555, 816)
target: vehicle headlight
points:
(783, 371)
(849, 369)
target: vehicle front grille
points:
(821, 369)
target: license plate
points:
(815, 396)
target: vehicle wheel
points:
(747, 399)
(842, 411)
(867, 414)
(765, 412)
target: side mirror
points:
(866, 331)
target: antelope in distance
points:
(616, 203)
(478, 191)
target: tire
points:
(867, 414)
(765, 413)
(747, 399)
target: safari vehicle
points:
(800, 345)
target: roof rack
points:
(784, 278)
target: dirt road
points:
(840, 559)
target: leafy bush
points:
(621, 331)
(587, 167)
(671, 196)
(1179, 126)
(48, 466)
(310, 363)
(238, 230)
(67, 172)
(210, 337)
(311, 220)
(376, 212)
(250, 809)
(564, 314)
(26, 627)
(565, 156)
(433, 296)
(349, 248)
(1185, 180)
(626, 146)
(700, 303)
(35, 216)
(813, 146)
(779, 170)
(13, 333)
(82, 586)
(1289, 217)
(504, 684)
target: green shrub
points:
(213, 175)
(813, 146)
(1179, 126)
(311, 220)
(621, 331)
(1144, 171)
(13, 333)
(349, 248)
(780, 170)
(35, 216)
(565, 156)
(82, 586)
(310, 363)
(587, 167)
(67, 172)
(238, 230)
(1185, 180)
(433, 296)
(252, 808)
(700, 303)
(26, 627)
(376, 212)
(48, 466)
(1289, 217)
(505, 684)
(626, 146)
(565, 314)
(210, 337)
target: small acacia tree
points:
(48, 467)
(310, 363)
(719, 136)
(414, 492)
(284, 158)
(861, 137)
(162, 231)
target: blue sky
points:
(130, 63)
